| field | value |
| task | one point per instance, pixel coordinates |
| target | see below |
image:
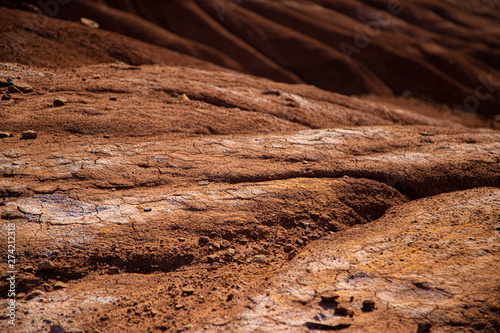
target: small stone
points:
(227, 257)
(57, 329)
(45, 265)
(231, 251)
(6, 97)
(33, 294)
(341, 311)
(305, 224)
(59, 101)
(264, 252)
(203, 240)
(329, 297)
(13, 89)
(5, 135)
(20, 295)
(24, 87)
(179, 306)
(182, 239)
(216, 245)
(261, 259)
(96, 77)
(186, 97)
(148, 209)
(114, 99)
(188, 290)
(28, 268)
(213, 258)
(60, 285)
(225, 244)
(289, 247)
(203, 183)
(29, 135)
(368, 306)
(89, 23)
(292, 255)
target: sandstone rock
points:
(264, 252)
(45, 189)
(33, 294)
(24, 87)
(344, 312)
(368, 306)
(329, 297)
(60, 285)
(261, 259)
(59, 101)
(89, 23)
(213, 258)
(45, 265)
(29, 135)
(203, 240)
(13, 89)
(188, 290)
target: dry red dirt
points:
(166, 192)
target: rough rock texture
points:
(444, 50)
(155, 185)
(160, 198)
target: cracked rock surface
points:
(163, 199)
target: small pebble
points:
(29, 135)
(148, 209)
(203, 240)
(59, 101)
(368, 306)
